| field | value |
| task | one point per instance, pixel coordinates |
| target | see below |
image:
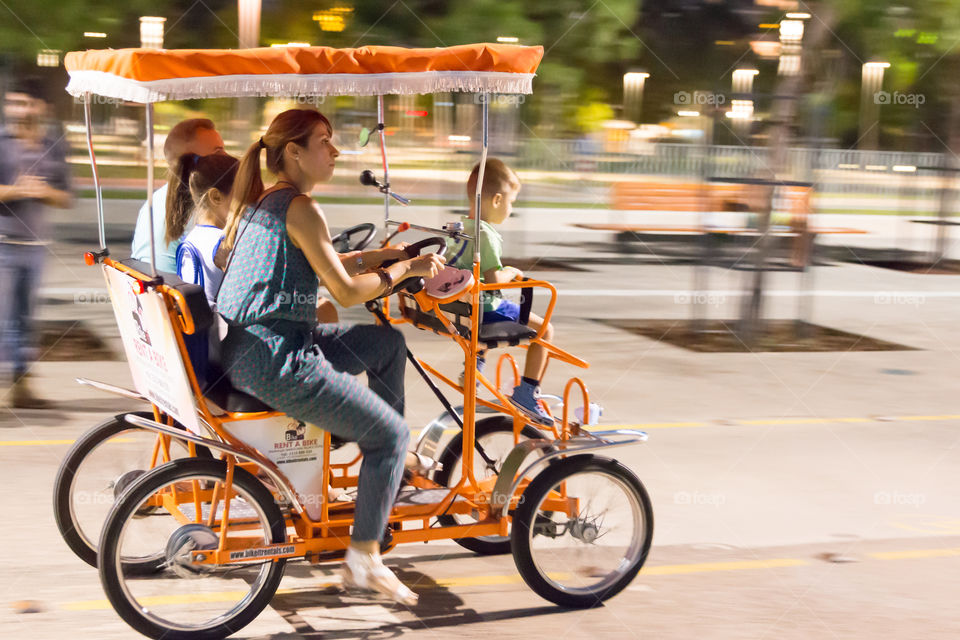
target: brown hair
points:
(497, 178)
(191, 181)
(180, 136)
(293, 125)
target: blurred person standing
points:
(33, 175)
(198, 136)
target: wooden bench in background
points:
(708, 198)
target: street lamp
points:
(871, 97)
(151, 32)
(633, 82)
(48, 58)
(741, 111)
(248, 12)
(791, 37)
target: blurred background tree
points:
(686, 45)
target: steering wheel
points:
(416, 249)
(416, 283)
(344, 242)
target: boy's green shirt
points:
(460, 255)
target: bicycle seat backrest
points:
(203, 345)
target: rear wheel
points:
(580, 553)
(495, 435)
(187, 600)
(97, 469)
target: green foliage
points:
(591, 116)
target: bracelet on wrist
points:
(386, 279)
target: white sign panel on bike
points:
(151, 347)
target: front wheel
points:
(582, 531)
(188, 601)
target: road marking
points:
(32, 443)
(709, 567)
(642, 425)
(916, 554)
(42, 443)
(101, 295)
(500, 580)
(734, 293)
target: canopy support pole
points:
(484, 141)
(381, 126)
(88, 121)
(153, 243)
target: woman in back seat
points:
(274, 349)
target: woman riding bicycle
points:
(275, 350)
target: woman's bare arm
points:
(308, 230)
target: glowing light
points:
(151, 32)
(333, 19)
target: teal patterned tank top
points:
(268, 278)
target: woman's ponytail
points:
(247, 189)
(179, 200)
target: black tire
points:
(524, 517)
(125, 508)
(487, 545)
(86, 547)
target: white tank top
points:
(195, 260)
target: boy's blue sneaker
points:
(526, 398)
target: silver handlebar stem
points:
(381, 125)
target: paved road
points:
(796, 495)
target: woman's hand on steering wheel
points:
(426, 266)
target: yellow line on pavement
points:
(499, 580)
(467, 581)
(916, 553)
(32, 443)
(708, 567)
(641, 426)
(42, 443)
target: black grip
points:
(526, 303)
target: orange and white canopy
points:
(150, 75)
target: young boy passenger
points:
(500, 189)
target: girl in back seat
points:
(201, 185)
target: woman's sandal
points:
(424, 464)
(367, 571)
